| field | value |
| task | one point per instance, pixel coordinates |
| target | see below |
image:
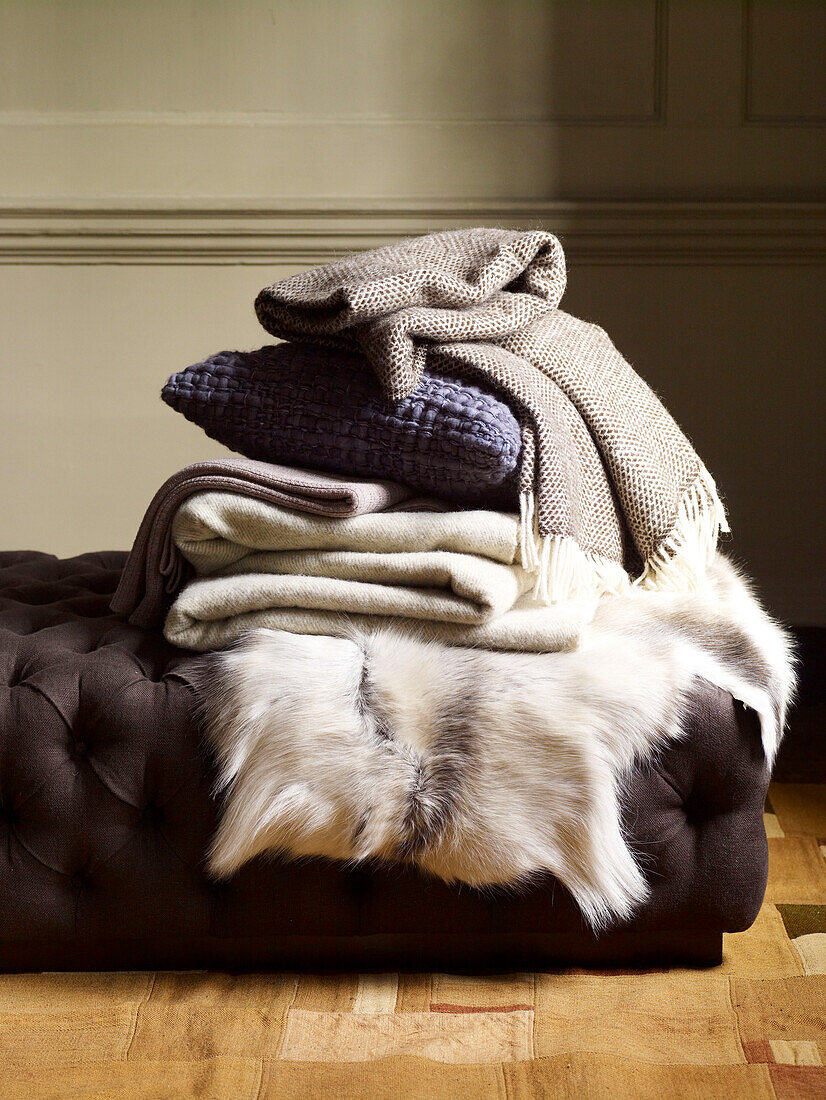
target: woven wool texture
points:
(600, 452)
(453, 575)
(155, 569)
(305, 404)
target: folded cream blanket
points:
(601, 457)
(155, 570)
(456, 574)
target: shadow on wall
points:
(616, 110)
(703, 102)
(658, 103)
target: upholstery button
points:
(79, 748)
(695, 811)
(152, 815)
(79, 880)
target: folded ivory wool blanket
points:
(600, 457)
(155, 569)
(481, 767)
(451, 575)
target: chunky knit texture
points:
(306, 405)
(601, 456)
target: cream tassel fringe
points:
(681, 561)
(564, 571)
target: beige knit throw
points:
(601, 456)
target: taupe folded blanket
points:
(602, 459)
(155, 569)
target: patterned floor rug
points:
(754, 1027)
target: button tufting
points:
(17, 677)
(695, 810)
(109, 814)
(152, 815)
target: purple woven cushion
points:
(311, 406)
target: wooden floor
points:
(756, 1026)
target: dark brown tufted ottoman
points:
(106, 813)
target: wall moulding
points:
(751, 116)
(247, 232)
(546, 55)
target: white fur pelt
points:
(481, 767)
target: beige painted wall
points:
(162, 161)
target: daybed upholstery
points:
(106, 813)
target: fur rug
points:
(479, 766)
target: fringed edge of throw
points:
(563, 570)
(681, 561)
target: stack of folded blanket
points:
(441, 467)
(494, 466)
